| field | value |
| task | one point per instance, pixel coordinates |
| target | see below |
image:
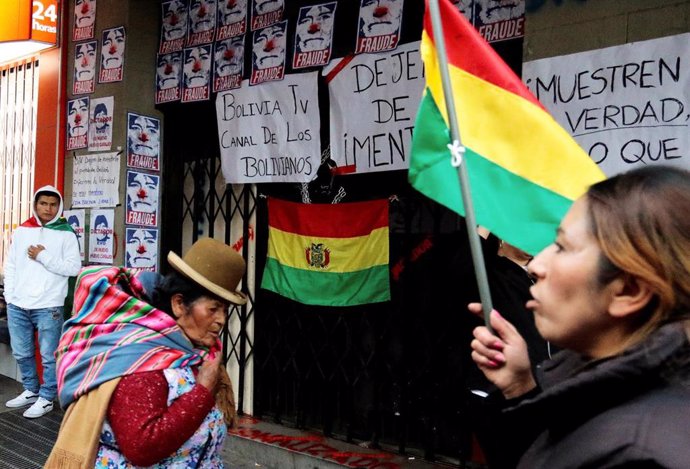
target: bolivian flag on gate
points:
(328, 254)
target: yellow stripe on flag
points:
(493, 121)
(344, 254)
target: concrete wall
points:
(554, 27)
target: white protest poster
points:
(374, 100)
(173, 26)
(77, 123)
(101, 123)
(232, 19)
(101, 236)
(202, 22)
(270, 133)
(76, 219)
(379, 25)
(84, 67)
(84, 20)
(141, 248)
(143, 190)
(143, 141)
(95, 180)
(112, 55)
(627, 106)
(266, 12)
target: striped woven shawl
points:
(114, 333)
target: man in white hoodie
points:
(43, 255)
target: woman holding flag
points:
(613, 291)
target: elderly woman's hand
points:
(208, 373)
(502, 358)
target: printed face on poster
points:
(95, 180)
(143, 141)
(626, 106)
(77, 123)
(379, 25)
(499, 20)
(101, 124)
(141, 249)
(142, 198)
(374, 101)
(112, 55)
(169, 77)
(196, 74)
(76, 219)
(314, 35)
(228, 64)
(202, 22)
(270, 133)
(266, 12)
(84, 19)
(232, 18)
(101, 236)
(173, 26)
(84, 67)
(268, 54)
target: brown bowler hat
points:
(213, 265)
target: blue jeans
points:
(22, 323)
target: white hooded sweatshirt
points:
(41, 283)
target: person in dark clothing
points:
(612, 291)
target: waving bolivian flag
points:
(328, 254)
(524, 169)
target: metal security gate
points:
(389, 375)
(18, 104)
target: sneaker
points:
(24, 399)
(39, 409)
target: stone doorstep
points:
(277, 447)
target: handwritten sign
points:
(374, 100)
(627, 106)
(95, 180)
(270, 133)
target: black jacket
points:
(631, 410)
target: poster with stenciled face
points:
(196, 74)
(201, 25)
(499, 20)
(84, 19)
(112, 55)
(101, 123)
(466, 7)
(84, 67)
(314, 35)
(228, 64)
(173, 26)
(379, 25)
(268, 54)
(141, 248)
(168, 77)
(75, 219)
(142, 198)
(143, 141)
(101, 236)
(231, 18)
(77, 123)
(266, 12)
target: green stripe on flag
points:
(327, 288)
(499, 196)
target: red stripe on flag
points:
(340, 170)
(344, 220)
(476, 56)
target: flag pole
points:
(457, 150)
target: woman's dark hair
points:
(175, 283)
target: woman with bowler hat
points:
(139, 364)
